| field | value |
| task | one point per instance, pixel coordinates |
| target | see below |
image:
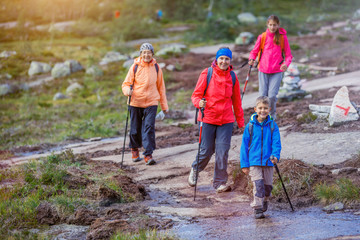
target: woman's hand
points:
(246, 171)
(202, 103)
(130, 91)
(283, 67)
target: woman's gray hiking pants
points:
(269, 85)
(215, 139)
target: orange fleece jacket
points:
(148, 85)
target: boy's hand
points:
(246, 171)
(274, 160)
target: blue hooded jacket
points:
(263, 145)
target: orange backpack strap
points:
(282, 44)
(262, 45)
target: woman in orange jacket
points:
(148, 89)
(222, 95)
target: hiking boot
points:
(135, 155)
(265, 206)
(223, 188)
(259, 213)
(149, 160)
(192, 177)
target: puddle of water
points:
(307, 224)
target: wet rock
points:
(83, 216)
(357, 213)
(334, 207)
(47, 214)
(247, 18)
(94, 71)
(73, 88)
(103, 229)
(6, 54)
(60, 70)
(244, 38)
(74, 66)
(59, 96)
(38, 67)
(345, 170)
(67, 232)
(112, 57)
(341, 109)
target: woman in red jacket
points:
(222, 95)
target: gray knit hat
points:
(146, 46)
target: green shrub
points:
(344, 191)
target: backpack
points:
(251, 126)
(208, 78)
(136, 67)
(262, 45)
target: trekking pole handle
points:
(202, 109)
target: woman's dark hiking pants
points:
(215, 139)
(142, 128)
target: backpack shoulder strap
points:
(208, 78)
(262, 45)
(282, 42)
(135, 68)
(157, 68)
(233, 77)
(251, 126)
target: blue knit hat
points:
(224, 52)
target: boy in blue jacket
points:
(261, 141)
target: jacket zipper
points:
(262, 128)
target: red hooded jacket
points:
(221, 97)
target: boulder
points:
(94, 71)
(74, 66)
(127, 64)
(292, 70)
(59, 96)
(38, 67)
(8, 89)
(320, 108)
(113, 57)
(172, 49)
(135, 54)
(247, 18)
(244, 38)
(162, 65)
(356, 14)
(291, 79)
(341, 109)
(73, 88)
(6, 54)
(60, 70)
(170, 67)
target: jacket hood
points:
(140, 61)
(281, 31)
(253, 119)
(215, 66)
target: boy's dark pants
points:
(262, 178)
(142, 128)
(215, 139)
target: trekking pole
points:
(247, 79)
(282, 183)
(126, 125)
(198, 155)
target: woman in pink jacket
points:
(274, 56)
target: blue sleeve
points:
(276, 142)
(244, 150)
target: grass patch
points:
(343, 191)
(307, 118)
(144, 235)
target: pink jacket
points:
(271, 58)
